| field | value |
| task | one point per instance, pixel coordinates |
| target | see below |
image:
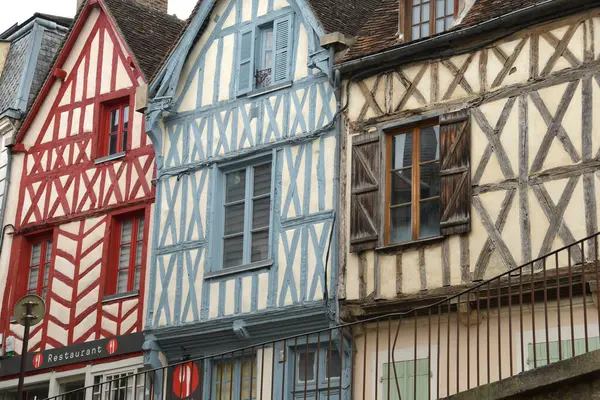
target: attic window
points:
(423, 18)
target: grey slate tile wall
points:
(51, 43)
(13, 69)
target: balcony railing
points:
(541, 312)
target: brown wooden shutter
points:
(364, 207)
(455, 173)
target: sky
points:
(14, 11)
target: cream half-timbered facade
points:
(513, 124)
(242, 119)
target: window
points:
(413, 183)
(317, 369)
(247, 214)
(39, 267)
(118, 386)
(566, 350)
(235, 379)
(401, 375)
(264, 56)
(428, 17)
(126, 263)
(115, 127)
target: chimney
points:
(159, 5)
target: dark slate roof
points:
(149, 33)
(345, 16)
(64, 21)
(380, 31)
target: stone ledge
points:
(558, 377)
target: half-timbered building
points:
(469, 149)
(243, 120)
(81, 198)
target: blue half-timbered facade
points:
(243, 117)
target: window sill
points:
(239, 269)
(258, 92)
(407, 245)
(120, 296)
(112, 157)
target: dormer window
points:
(264, 55)
(423, 18)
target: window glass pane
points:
(126, 227)
(33, 280)
(234, 219)
(124, 141)
(48, 251)
(449, 7)
(416, 32)
(430, 143)
(260, 246)
(439, 8)
(430, 218)
(36, 251)
(46, 276)
(402, 151)
(333, 366)
(425, 12)
(136, 281)
(400, 224)
(262, 179)
(223, 376)
(449, 21)
(306, 367)
(430, 180)
(140, 232)
(247, 369)
(124, 253)
(122, 281)
(112, 144)
(261, 212)
(138, 253)
(125, 117)
(114, 120)
(416, 15)
(425, 29)
(233, 251)
(439, 25)
(401, 186)
(235, 186)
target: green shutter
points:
(404, 376)
(282, 31)
(566, 349)
(246, 61)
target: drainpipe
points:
(152, 361)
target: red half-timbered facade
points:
(85, 193)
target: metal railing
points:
(541, 312)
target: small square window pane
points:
(260, 245)
(425, 29)
(430, 218)
(33, 279)
(416, 32)
(402, 150)
(46, 276)
(449, 7)
(36, 251)
(306, 367)
(430, 180)
(449, 21)
(234, 218)
(416, 15)
(400, 224)
(114, 120)
(140, 232)
(136, 281)
(401, 186)
(235, 186)
(333, 367)
(126, 228)
(262, 179)
(439, 25)
(124, 254)
(439, 8)
(233, 251)
(261, 211)
(138, 253)
(112, 144)
(430, 143)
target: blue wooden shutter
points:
(282, 30)
(246, 61)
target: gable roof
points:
(379, 32)
(149, 33)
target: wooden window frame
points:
(406, 20)
(104, 137)
(236, 374)
(113, 261)
(416, 165)
(44, 238)
(249, 199)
